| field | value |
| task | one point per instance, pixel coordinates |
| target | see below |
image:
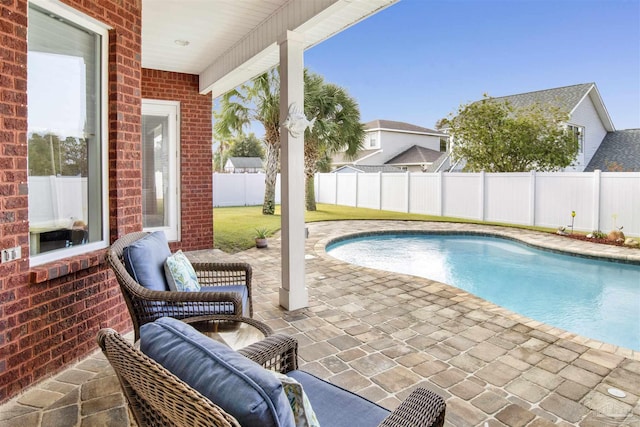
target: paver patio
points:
(382, 334)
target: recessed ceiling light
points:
(181, 42)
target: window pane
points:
(63, 83)
(160, 173)
(156, 172)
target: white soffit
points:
(231, 41)
(210, 26)
(258, 51)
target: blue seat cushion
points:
(238, 385)
(144, 260)
(228, 308)
(337, 407)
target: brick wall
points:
(195, 148)
(49, 316)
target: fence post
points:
(357, 189)
(408, 191)
(532, 198)
(246, 185)
(597, 176)
(482, 195)
(55, 199)
(335, 188)
(379, 190)
(440, 194)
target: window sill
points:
(66, 266)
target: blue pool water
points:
(590, 297)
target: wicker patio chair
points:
(156, 397)
(148, 305)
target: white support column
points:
(293, 293)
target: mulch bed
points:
(594, 240)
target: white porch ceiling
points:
(231, 41)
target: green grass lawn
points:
(234, 228)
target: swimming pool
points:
(591, 297)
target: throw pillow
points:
(144, 260)
(237, 384)
(302, 411)
(180, 274)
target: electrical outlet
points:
(11, 254)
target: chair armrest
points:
(189, 297)
(277, 352)
(223, 273)
(422, 408)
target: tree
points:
(246, 146)
(221, 155)
(495, 136)
(337, 124)
(257, 100)
(337, 127)
(48, 155)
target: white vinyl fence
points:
(54, 199)
(602, 200)
(240, 189)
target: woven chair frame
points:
(146, 305)
(156, 397)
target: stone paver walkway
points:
(382, 334)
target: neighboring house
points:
(588, 119)
(366, 169)
(399, 144)
(243, 165)
(619, 152)
(415, 159)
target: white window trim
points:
(96, 26)
(583, 130)
(157, 106)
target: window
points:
(66, 149)
(444, 142)
(372, 142)
(578, 132)
(160, 166)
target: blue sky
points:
(418, 60)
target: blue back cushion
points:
(144, 260)
(238, 385)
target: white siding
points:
(586, 115)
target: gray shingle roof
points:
(414, 156)
(566, 98)
(621, 147)
(246, 162)
(341, 157)
(370, 168)
(399, 126)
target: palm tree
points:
(337, 127)
(220, 156)
(258, 100)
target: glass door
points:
(160, 187)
